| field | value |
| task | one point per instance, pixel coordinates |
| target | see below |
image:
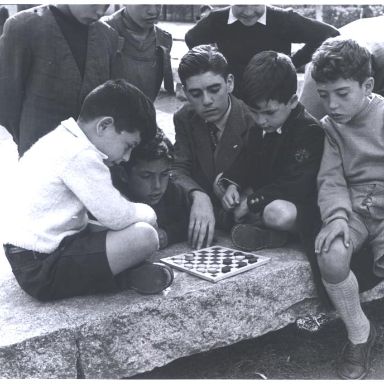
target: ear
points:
(230, 83)
(368, 85)
(293, 101)
(103, 123)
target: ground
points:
(285, 354)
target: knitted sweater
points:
(61, 177)
(353, 156)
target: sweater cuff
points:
(341, 214)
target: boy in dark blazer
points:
(211, 130)
(241, 31)
(51, 57)
(276, 172)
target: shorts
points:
(366, 223)
(79, 266)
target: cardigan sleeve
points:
(182, 165)
(15, 62)
(301, 29)
(204, 32)
(90, 181)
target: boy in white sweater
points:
(351, 188)
(52, 252)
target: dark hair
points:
(202, 59)
(160, 147)
(269, 76)
(341, 58)
(129, 107)
(205, 7)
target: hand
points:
(163, 238)
(241, 210)
(324, 239)
(201, 220)
(231, 198)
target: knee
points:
(146, 235)
(280, 214)
(334, 264)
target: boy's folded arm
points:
(90, 180)
(298, 180)
(333, 195)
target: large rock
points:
(115, 336)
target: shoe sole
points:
(251, 238)
(372, 343)
(150, 278)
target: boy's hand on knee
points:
(201, 220)
(231, 198)
(241, 210)
(337, 227)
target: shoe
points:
(249, 237)
(355, 358)
(149, 278)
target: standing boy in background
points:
(144, 58)
(51, 57)
(241, 31)
(351, 188)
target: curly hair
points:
(339, 58)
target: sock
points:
(345, 298)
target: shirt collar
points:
(223, 121)
(278, 130)
(232, 18)
(71, 126)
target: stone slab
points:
(119, 335)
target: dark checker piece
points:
(241, 264)
(226, 269)
(238, 253)
(227, 261)
(252, 260)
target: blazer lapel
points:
(232, 141)
(204, 153)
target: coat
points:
(195, 166)
(40, 83)
(163, 52)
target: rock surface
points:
(119, 335)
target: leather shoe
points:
(355, 358)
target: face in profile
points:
(145, 16)
(87, 14)
(248, 14)
(147, 181)
(208, 93)
(343, 99)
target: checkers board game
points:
(215, 263)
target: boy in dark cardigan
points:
(276, 174)
(146, 179)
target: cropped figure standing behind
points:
(51, 57)
(241, 31)
(145, 52)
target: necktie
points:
(214, 135)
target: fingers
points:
(346, 237)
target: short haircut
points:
(202, 59)
(129, 107)
(160, 147)
(269, 76)
(339, 58)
